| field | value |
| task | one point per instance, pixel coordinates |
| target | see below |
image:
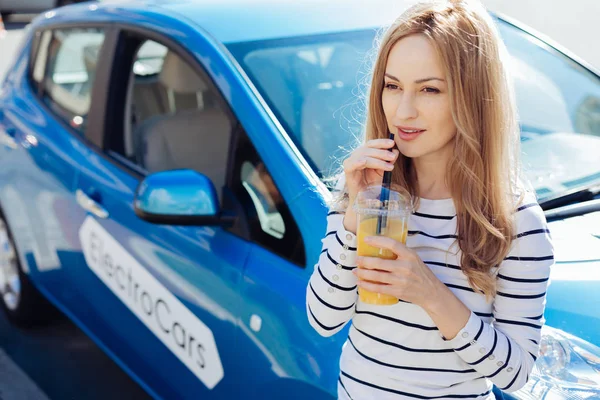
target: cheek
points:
(389, 106)
(440, 115)
(450, 127)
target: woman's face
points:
(415, 97)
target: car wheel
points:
(23, 304)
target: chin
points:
(410, 151)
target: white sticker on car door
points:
(175, 325)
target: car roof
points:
(247, 20)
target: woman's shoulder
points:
(528, 214)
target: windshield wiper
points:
(575, 196)
(572, 210)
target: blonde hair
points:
(483, 174)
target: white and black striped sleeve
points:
(332, 292)
(506, 351)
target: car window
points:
(316, 86)
(559, 109)
(270, 222)
(265, 197)
(313, 85)
(67, 74)
(174, 119)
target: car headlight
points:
(567, 368)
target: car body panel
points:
(572, 302)
(194, 264)
(40, 197)
(280, 19)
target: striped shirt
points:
(397, 352)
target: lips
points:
(407, 134)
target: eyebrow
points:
(433, 78)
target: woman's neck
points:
(431, 179)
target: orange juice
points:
(397, 229)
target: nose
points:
(406, 108)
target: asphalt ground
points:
(15, 384)
(59, 362)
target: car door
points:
(164, 299)
(46, 122)
(284, 352)
(277, 353)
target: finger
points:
(376, 287)
(383, 242)
(379, 173)
(374, 163)
(385, 155)
(376, 263)
(380, 143)
(374, 276)
(361, 163)
(365, 152)
(353, 163)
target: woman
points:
(472, 276)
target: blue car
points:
(162, 183)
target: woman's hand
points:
(364, 167)
(406, 278)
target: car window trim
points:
(100, 92)
(36, 42)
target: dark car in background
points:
(8, 7)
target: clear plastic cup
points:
(381, 212)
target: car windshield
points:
(316, 87)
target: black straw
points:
(384, 196)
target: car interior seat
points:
(152, 94)
(195, 139)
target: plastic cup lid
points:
(373, 201)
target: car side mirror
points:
(179, 197)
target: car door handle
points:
(90, 205)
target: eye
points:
(431, 90)
(391, 86)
